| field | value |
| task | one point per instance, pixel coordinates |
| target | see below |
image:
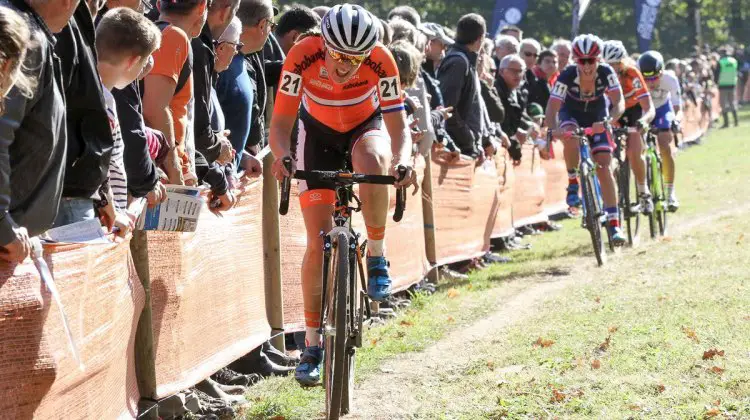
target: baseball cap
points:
(438, 32)
(536, 110)
(233, 31)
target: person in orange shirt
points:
(342, 89)
(639, 111)
(169, 86)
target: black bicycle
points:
(344, 306)
(627, 198)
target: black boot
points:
(725, 115)
(734, 115)
(257, 362)
(277, 356)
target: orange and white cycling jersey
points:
(633, 86)
(341, 107)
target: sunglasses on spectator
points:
(584, 61)
(237, 46)
(354, 60)
(514, 71)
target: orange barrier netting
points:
(465, 207)
(293, 244)
(405, 245)
(556, 181)
(103, 299)
(694, 122)
(528, 196)
(506, 180)
(208, 300)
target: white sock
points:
(669, 190)
(312, 337)
(642, 188)
(375, 248)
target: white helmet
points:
(350, 29)
(614, 52)
(587, 46)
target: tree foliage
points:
(721, 20)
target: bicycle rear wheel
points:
(661, 209)
(337, 334)
(593, 224)
(655, 193)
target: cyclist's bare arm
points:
(401, 144)
(649, 111)
(279, 139)
(553, 107)
(618, 103)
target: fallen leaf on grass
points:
(690, 333)
(541, 342)
(605, 345)
(665, 239)
(717, 370)
(560, 395)
(597, 299)
(406, 323)
(469, 287)
(613, 330)
(660, 388)
(635, 407)
(711, 353)
(596, 364)
(663, 298)
(747, 318)
(712, 413)
(741, 238)
(374, 342)
(491, 365)
(717, 403)
(453, 293)
(450, 319)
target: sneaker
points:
(378, 279)
(573, 200)
(673, 204)
(492, 258)
(308, 370)
(646, 203)
(617, 236)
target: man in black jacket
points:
(212, 145)
(257, 24)
(32, 134)
(459, 84)
(510, 75)
(89, 136)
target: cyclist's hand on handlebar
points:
(279, 170)
(409, 178)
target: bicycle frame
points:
(654, 159)
(586, 167)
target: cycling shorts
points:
(664, 117)
(318, 147)
(631, 116)
(602, 143)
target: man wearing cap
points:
(215, 147)
(437, 42)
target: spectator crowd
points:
(106, 102)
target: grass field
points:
(626, 340)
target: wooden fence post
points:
(428, 216)
(272, 254)
(145, 358)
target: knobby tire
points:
(593, 223)
(335, 346)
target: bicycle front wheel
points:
(655, 193)
(628, 218)
(337, 325)
(661, 209)
(593, 224)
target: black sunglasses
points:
(530, 54)
(238, 46)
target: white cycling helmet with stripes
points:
(350, 29)
(614, 52)
(587, 46)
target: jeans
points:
(73, 210)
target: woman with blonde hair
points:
(14, 41)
